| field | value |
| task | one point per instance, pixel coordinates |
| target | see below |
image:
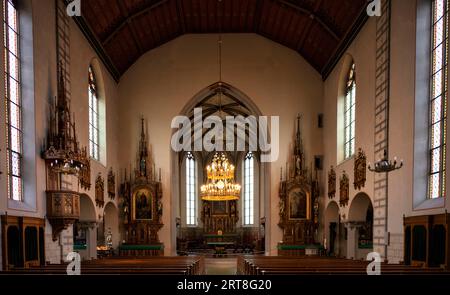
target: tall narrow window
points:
(349, 114)
(191, 197)
(13, 102)
(248, 189)
(438, 99)
(93, 117)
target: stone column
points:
(92, 240)
(352, 238)
(66, 242)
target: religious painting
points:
(142, 204)
(298, 204)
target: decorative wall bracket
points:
(111, 184)
(360, 170)
(331, 183)
(344, 190)
(99, 191)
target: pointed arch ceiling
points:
(122, 30)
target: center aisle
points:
(221, 266)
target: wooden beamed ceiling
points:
(122, 30)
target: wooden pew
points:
(278, 265)
(154, 265)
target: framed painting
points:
(142, 204)
(299, 204)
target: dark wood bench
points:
(279, 265)
(155, 265)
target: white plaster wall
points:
(401, 125)
(362, 50)
(162, 81)
(279, 82)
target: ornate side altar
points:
(142, 207)
(298, 205)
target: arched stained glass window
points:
(249, 190)
(438, 99)
(94, 136)
(349, 113)
(191, 196)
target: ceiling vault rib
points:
(307, 30)
(127, 20)
(131, 25)
(180, 15)
(257, 16)
(301, 27)
(314, 16)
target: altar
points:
(298, 205)
(142, 207)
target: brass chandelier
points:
(220, 184)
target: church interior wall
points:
(268, 75)
(278, 80)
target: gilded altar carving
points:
(141, 200)
(360, 170)
(111, 184)
(99, 190)
(344, 188)
(331, 183)
(298, 204)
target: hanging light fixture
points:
(220, 184)
(385, 165)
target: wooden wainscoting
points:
(22, 241)
(427, 240)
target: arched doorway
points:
(360, 227)
(84, 230)
(221, 100)
(111, 224)
(332, 229)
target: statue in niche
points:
(233, 209)
(108, 239)
(282, 207)
(298, 166)
(160, 209)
